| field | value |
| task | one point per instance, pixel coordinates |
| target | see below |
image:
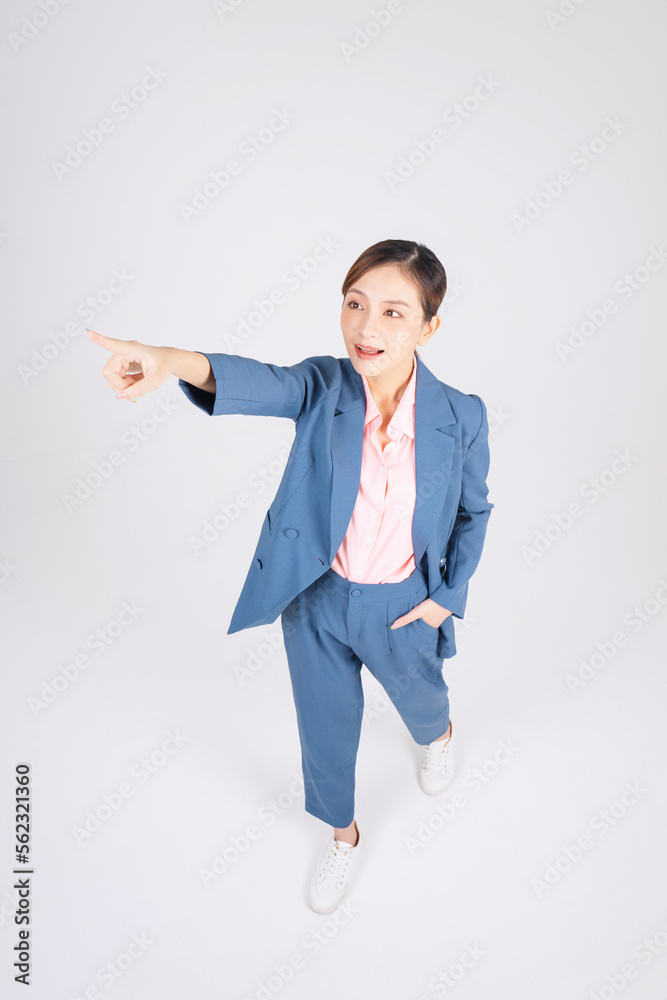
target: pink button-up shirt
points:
(377, 547)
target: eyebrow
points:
(395, 302)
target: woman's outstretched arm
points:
(220, 383)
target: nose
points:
(368, 332)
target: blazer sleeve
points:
(466, 541)
(245, 385)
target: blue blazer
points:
(307, 520)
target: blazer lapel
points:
(434, 449)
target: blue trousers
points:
(330, 630)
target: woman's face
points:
(382, 311)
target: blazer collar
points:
(431, 403)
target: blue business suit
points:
(290, 574)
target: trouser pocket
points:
(417, 633)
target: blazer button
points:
(259, 562)
(290, 532)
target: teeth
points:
(366, 350)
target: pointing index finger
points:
(109, 342)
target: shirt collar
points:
(403, 419)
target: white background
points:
(362, 99)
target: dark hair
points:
(418, 264)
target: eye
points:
(353, 302)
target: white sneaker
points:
(330, 879)
(437, 770)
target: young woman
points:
(375, 530)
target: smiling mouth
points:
(370, 352)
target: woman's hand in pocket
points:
(431, 612)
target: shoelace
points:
(436, 758)
(335, 865)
